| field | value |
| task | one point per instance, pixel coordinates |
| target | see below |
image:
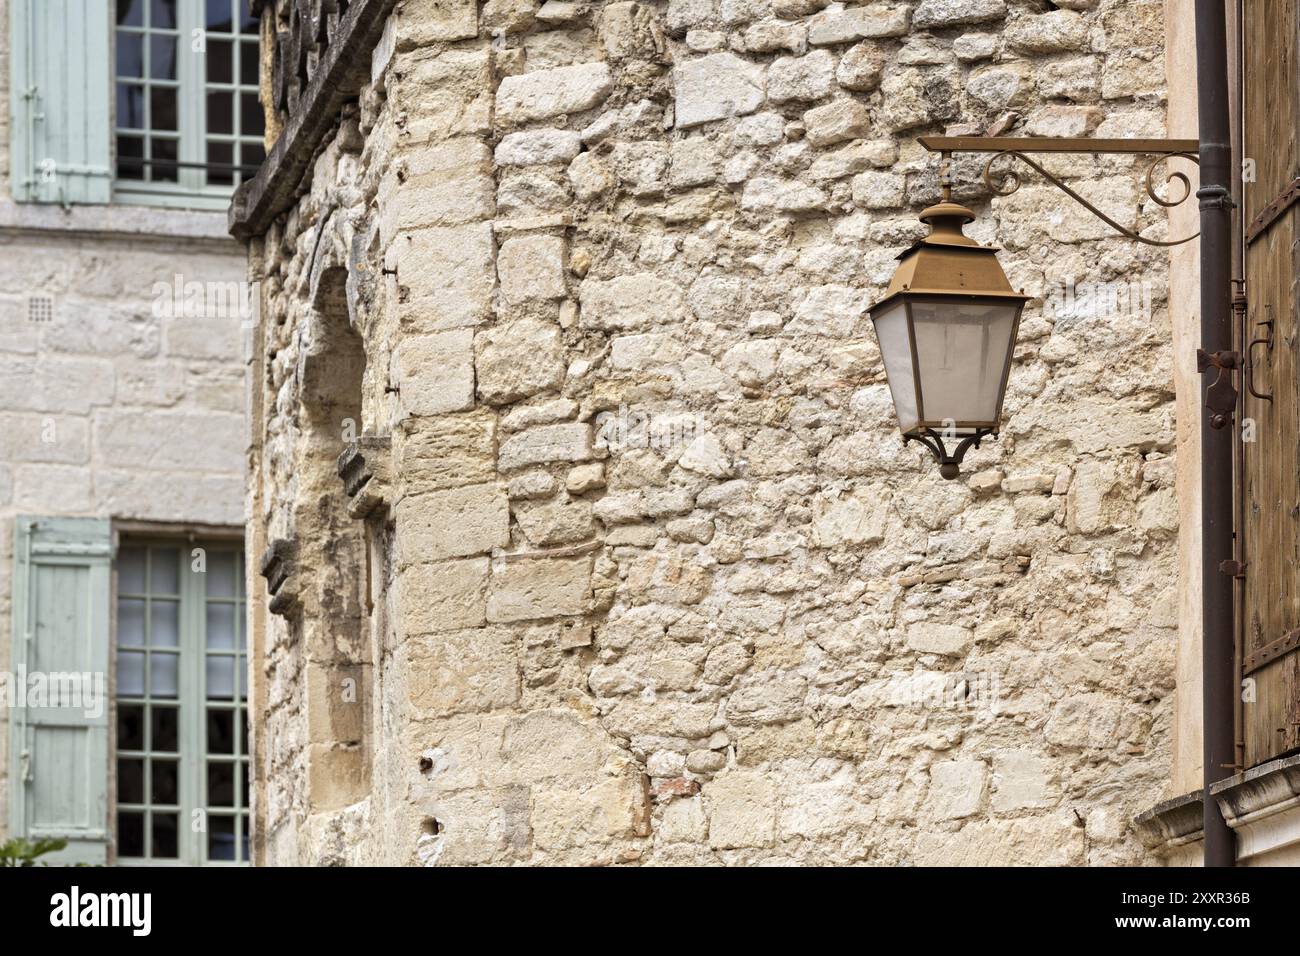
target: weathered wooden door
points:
(1270, 220)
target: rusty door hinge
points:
(1236, 568)
(1272, 212)
(1220, 397)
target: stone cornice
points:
(1244, 799)
(313, 108)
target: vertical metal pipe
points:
(1216, 443)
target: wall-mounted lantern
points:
(947, 324)
(947, 330)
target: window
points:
(182, 728)
(187, 120)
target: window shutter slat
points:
(59, 754)
(60, 86)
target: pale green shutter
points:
(59, 754)
(60, 87)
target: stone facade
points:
(117, 402)
(651, 577)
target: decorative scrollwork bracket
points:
(1018, 148)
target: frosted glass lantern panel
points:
(962, 352)
(896, 351)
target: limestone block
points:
(542, 94)
(585, 478)
(970, 47)
(335, 776)
(878, 190)
(129, 439)
(446, 95)
(447, 183)
(466, 671)
(759, 701)
(444, 596)
(717, 86)
(752, 362)
(861, 67)
(422, 22)
(683, 821)
(538, 147)
(454, 523)
(1056, 32)
(957, 788)
(631, 31)
(445, 451)
(840, 24)
(850, 520)
(951, 13)
(554, 744)
(590, 176)
(769, 36)
(930, 637)
(808, 77)
(509, 16)
(1021, 781)
(693, 162)
(532, 485)
(830, 310)
(532, 268)
(836, 122)
(1042, 841)
(447, 276)
(561, 522)
(539, 588)
(435, 372)
(630, 303)
(610, 810)
(823, 808)
(741, 807)
(1085, 720)
(854, 158)
(642, 168)
(570, 441)
(646, 351)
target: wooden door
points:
(1270, 221)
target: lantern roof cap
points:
(948, 262)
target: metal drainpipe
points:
(1219, 682)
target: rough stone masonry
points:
(644, 573)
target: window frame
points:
(191, 190)
(191, 703)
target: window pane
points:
(242, 674)
(164, 624)
(221, 784)
(162, 14)
(130, 834)
(221, 564)
(165, 169)
(130, 674)
(250, 115)
(164, 729)
(162, 675)
(130, 152)
(164, 571)
(243, 783)
(130, 13)
(221, 677)
(251, 154)
(218, 61)
(164, 836)
(130, 106)
(218, 15)
(243, 736)
(130, 622)
(221, 731)
(243, 839)
(162, 108)
(219, 175)
(130, 780)
(221, 117)
(247, 22)
(130, 54)
(130, 726)
(221, 627)
(164, 788)
(248, 64)
(130, 571)
(221, 838)
(162, 57)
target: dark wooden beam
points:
(343, 71)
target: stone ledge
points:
(116, 221)
(1244, 799)
(337, 78)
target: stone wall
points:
(123, 404)
(655, 579)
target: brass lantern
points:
(947, 330)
